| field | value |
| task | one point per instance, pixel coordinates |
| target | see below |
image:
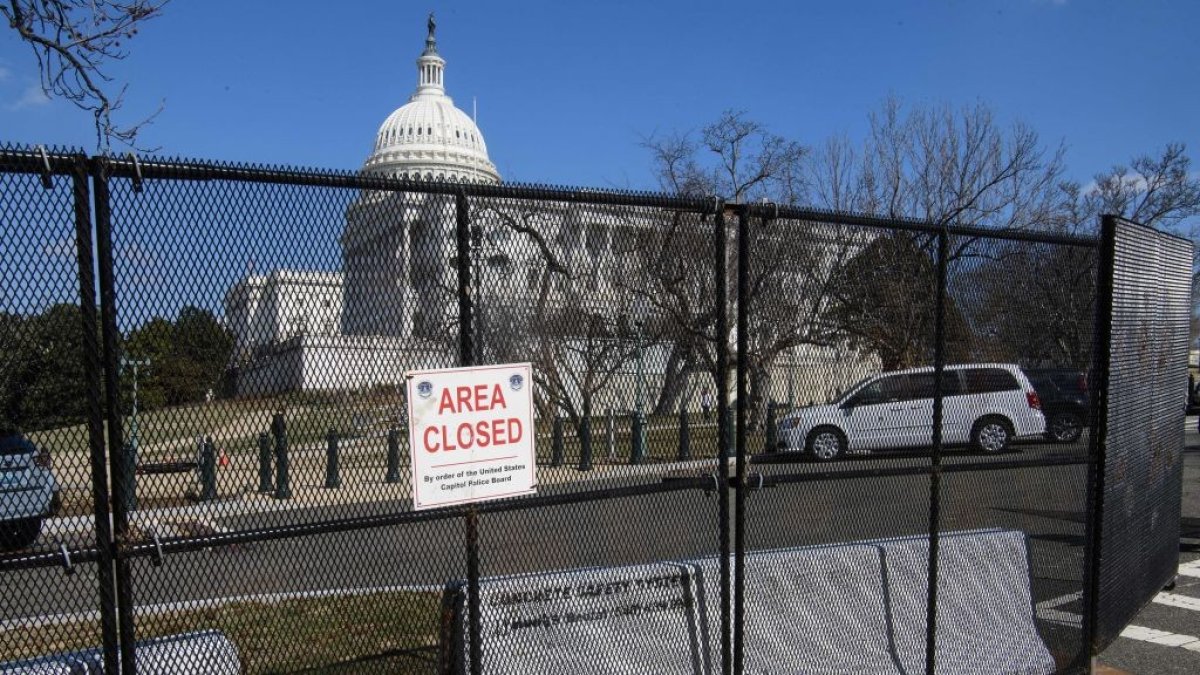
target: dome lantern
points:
(429, 138)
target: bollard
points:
(612, 434)
(393, 455)
(208, 471)
(637, 438)
(332, 477)
(129, 476)
(264, 463)
(685, 441)
(771, 431)
(585, 441)
(728, 451)
(556, 454)
(283, 486)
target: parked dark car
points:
(1065, 401)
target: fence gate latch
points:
(759, 487)
(68, 568)
(47, 173)
(137, 173)
(157, 560)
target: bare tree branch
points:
(73, 41)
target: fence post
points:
(208, 471)
(772, 434)
(637, 428)
(721, 283)
(283, 486)
(585, 440)
(265, 484)
(393, 456)
(727, 449)
(935, 474)
(556, 454)
(1097, 437)
(685, 441)
(332, 477)
(110, 336)
(93, 376)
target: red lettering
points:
(498, 436)
(514, 430)
(446, 440)
(498, 398)
(480, 392)
(483, 434)
(446, 402)
(430, 447)
(464, 399)
(467, 441)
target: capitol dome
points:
(428, 138)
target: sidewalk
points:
(363, 484)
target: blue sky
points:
(566, 90)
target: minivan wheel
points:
(1064, 427)
(19, 533)
(826, 443)
(991, 435)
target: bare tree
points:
(739, 159)
(1158, 190)
(1036, 303)
(948, 166)
(73, 41)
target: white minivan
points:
(985, 405)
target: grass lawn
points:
(384, 632)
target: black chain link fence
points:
(749, 421)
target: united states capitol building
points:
(393, 306)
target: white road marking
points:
(1178, 600)
(1191, 569)
(1162, 637)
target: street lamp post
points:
(131, 448)
(639, 421)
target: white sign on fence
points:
(471, 433)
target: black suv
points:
(1065, 401)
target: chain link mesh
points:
(263, 321)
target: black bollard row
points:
(772, 433)
(585, 442)
(208, 471)
(393, 455)
(685, 440)
(637, 438)
(265, 484)
(333, 477)
(556, 453)
(283, 486)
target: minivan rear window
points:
(921, 384)
(989, 380)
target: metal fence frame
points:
(115, 547)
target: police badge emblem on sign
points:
(471, 434)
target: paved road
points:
(1047, 502)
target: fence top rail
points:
(38, 159)
(771, 212)
(60, 160)
(152, 167)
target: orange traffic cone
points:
(224, 460)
